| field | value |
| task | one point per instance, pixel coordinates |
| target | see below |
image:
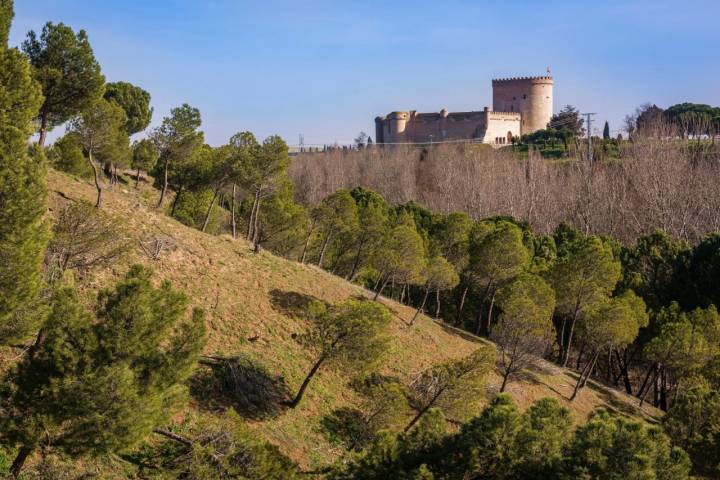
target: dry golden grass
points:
(249, 301)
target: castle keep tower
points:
(532, 97)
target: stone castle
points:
(520, 105)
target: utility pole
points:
(588, 116)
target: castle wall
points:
(531, 96)
(412, 127)
(501, 127)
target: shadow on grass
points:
(531, 375)
(291, 304)
(240, 383)
(457, 331)
(617, 405)
(346, 426)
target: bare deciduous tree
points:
(660, 181)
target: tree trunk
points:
(663, 391)
(233, 222)
(437, 301)
(209, 211)
(377, 293)
(174, 436)
(506, 375)
(478, 329)
(622, 365)
(656, 389)
(462, 305)
(646, 390)
(579, 357)
(422, 305)
(561, 339)
(590, 372)
(176, 200)
(137, 178)
(336, 262)
(324, 247)
(307, 242)
(377, 282)
(165, 184)
(584, 376)
(20, 461)
(488, 323)
(482, 302)
(647, 378)
(256, 228)
(422, 411)
(43, 130)
(356, 263)
(252, 217)
(295, 401)
(570, 335)
(98, 185)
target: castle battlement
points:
(523, 79)
(504, 114)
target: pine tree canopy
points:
(100, 382)
(22, 191)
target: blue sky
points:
(327, 68)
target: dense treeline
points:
(96, 379)
(656, 182)
(502, 443)
(612, 311)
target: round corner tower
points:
(532, 97)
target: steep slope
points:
(253, 300)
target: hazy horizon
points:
(325, 70)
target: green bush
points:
(67, 155)
(192, 207)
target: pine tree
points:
(613, 447)
(439, 275)
(582, 278)
(352, 334)
(262, 176)
(65, 65)
(614, 324)
(22, 190)
(401, 259)
(134, 101)
(100, 130)
(176, 140)
(525, 327)
(496, 258)
(99, 383)
(455, 386)
(144, 157)
(606, 131)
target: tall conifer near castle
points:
(22, 189)
(100, 382)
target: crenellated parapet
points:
(541, 78)
(504, 114)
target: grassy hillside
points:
(253, 304)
